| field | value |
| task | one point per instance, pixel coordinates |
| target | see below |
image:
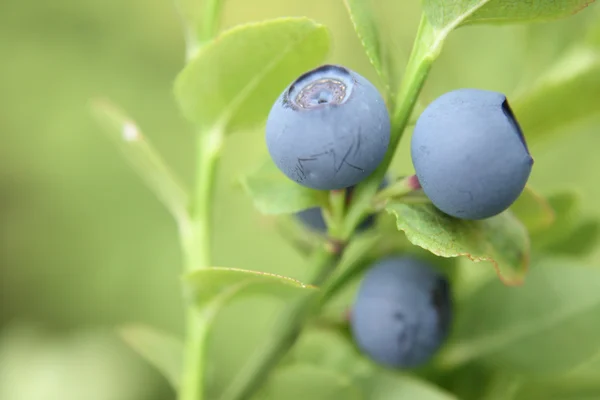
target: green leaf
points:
(302, 382)
(159, 349)
(581, 241)
(548, 326)
(576, 383)
(212, 287)
(507, 11)
(571, 386)
(501, 240)
(388, 385)
(275, 193)
(468, 382)
(592, 36)
(502, 385)
(533, 210)
(544, 44)
(329, 349)
(366, 26)
(448, 15)
(567, 209)
(235, 79)
(572, 233)
(144, 159)
(541, 108)
(373, 36)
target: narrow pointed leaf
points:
(211, 287)
(143, 157)
(367, 27)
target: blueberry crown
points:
(327, 85)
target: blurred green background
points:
(85, 247)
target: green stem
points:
(415, 198)
(425, 50)
(334, 214)
(325, 260)
(290, 323)
(196, 242)
(192, 381)
(212, 16)
(199, 32)
(210, 144)
(334, 286)
(285, 333)
(397, 190)
(195, 235)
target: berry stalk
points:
(425, 50)
(334, 216)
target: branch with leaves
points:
(275, 52)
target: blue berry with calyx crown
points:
(402, 312)
(329, 130)
(470, 154)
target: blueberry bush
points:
(388, 307)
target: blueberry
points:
(402, 312)
(329, 129)
(469, 154)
